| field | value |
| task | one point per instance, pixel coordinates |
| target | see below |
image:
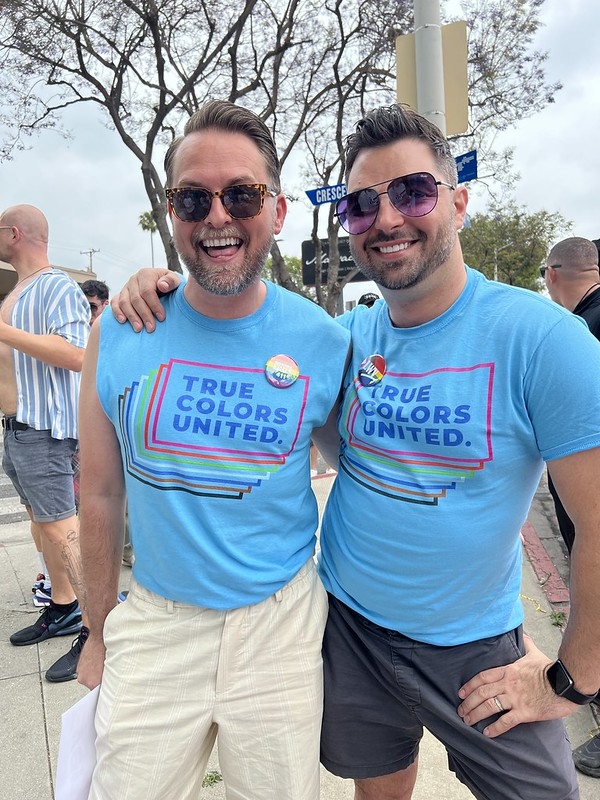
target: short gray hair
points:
(575, 252)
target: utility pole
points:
(430, 62)
(89, 253)
(431, 69)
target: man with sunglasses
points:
(207, 424)
(97, 296)
(450, 410)
(458, 391)
(572, 279)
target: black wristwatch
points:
(562, 683)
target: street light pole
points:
(430, 62)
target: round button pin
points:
(371, 370)
(281, 371)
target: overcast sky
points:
(91, 187)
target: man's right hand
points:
(138, 301)
(91, 662)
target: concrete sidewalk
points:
(31, 708)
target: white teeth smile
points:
(395, 248)
(229, 242)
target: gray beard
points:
(227, 283)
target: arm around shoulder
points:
(138, 301)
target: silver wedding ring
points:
(499, 705)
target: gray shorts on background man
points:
(41, 471)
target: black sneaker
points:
(587, 757)
(51, 622)
(65, 669)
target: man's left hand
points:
(519, 692)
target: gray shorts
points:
(41, 471)
(382, 689)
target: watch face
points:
(559, 678)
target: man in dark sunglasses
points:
(96, 293)
(573, 281)
(458, 391)
(449, 413)
(206, 426)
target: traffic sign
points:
(467, 166)
(326, 194)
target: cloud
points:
(556, 151)
(90, 188)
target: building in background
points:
(8, 277)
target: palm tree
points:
(148, 223)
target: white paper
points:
(77, 749)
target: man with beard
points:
(458, 391)
(207, 424)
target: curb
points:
(546, 572)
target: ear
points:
(551, 275)
(280, 213)
(461, 200)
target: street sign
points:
(467, 166)
(309, 261)
(326, 194)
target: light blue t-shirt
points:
(445, 430)
(214, 418)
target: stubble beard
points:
(228, 280)
(406, 273)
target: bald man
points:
(44, 325)
(573, 281)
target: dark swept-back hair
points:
(97, 289)
(389, 124)
(225, 116)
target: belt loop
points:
(170, 606)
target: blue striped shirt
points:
(47, 396)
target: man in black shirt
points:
(573, 281)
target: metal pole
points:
(89, 253)
(429, 62)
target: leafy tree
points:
(149, 64)
(506, 82)
(308, 68)
(509, 245)
(148, 223)
(293, 266)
